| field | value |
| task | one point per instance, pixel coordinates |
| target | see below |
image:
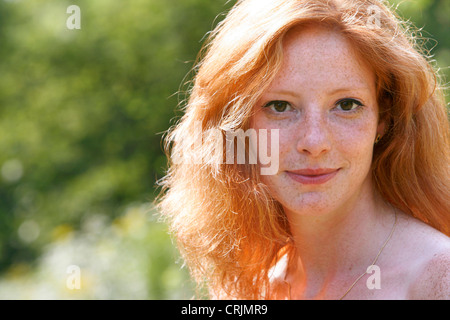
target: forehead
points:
(320, 56)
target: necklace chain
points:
(373, 263)
(376, 258)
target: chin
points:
(308, 204)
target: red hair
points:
(228, 228)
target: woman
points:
(359, 205)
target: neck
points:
(337, 245)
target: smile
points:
(312, 176)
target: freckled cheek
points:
(287, 142)
(356, 145)
(259, 121)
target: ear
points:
(381, 128)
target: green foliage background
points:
(82, 114)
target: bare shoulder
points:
(434, 281)
(431, 252)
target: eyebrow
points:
(345, 89)
(284, 92)
(334, 91)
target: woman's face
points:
(323, 102)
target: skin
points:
(323, 101)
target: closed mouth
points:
(313, 176)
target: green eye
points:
(348, 104)
(278, 106)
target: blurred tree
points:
(432, 18)
(82, 111)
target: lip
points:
(312, 176)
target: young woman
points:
(359, 205)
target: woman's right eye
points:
(278, 106)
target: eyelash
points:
(358, 104)
(270, 103)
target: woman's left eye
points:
(348, 104)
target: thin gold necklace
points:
(376, 258)
(373, 263)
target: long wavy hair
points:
(228, 228)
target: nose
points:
(314, 138)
